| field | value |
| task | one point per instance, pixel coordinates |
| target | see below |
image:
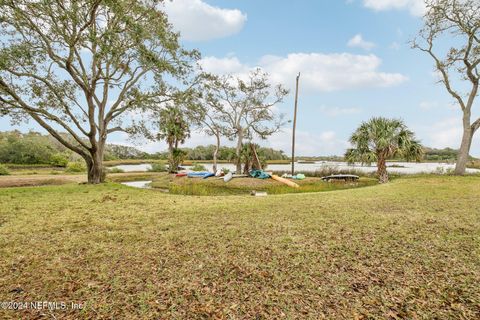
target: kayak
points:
(341, 177)
(181, 174)
(198, 174)
(208, 175)
(228, 177)
(285, 181)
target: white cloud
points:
(223, 65)
(320, 72)
(337, 111)
(331, 72)
(358, 42)
(199, 21)
(416, 7)
(441, 134)
(308, 144)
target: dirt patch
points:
(40, 180)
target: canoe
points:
(228, 177)
(341, 177)
(285, 181)
(197, 174)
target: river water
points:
(393, 167)
(138, 184)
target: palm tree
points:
(174, 129)
(380, 139)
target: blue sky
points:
(354, 58)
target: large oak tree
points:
(81, 67)
(458, 23)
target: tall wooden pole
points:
(295, 125)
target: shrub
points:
(59, 160)
(115, 170)
(3, 170)
(158, 167)
(198, 167)
(225, 170)
(78, 166)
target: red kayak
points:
(181, 174)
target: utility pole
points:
(295, 125)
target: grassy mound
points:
(243, 186)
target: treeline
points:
(205, 153)
(35, 148)
(446, 154)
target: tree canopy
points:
(81, 66)
(245, 106)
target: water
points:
(135, 167)
(138, 184)
(405, 167)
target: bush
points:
(225, 170)
(115, 170)
(59, 160)
(74, 167)
(198, 167)
(3, 170)
(158, 167)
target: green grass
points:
(406, 250)
(244, 186)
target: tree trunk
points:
(215, 153)
(464, 150)
(382, 170)
(95, 169)
(171, 160)
(238, 152)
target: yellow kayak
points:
(286, 181)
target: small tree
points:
(459, 19)
(245, 106)
(251, 159)
(80, 66)
(380, 139)
(174, 130)
(208, 114)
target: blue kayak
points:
(201, 174)
(208, 175)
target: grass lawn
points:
(408, 249)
